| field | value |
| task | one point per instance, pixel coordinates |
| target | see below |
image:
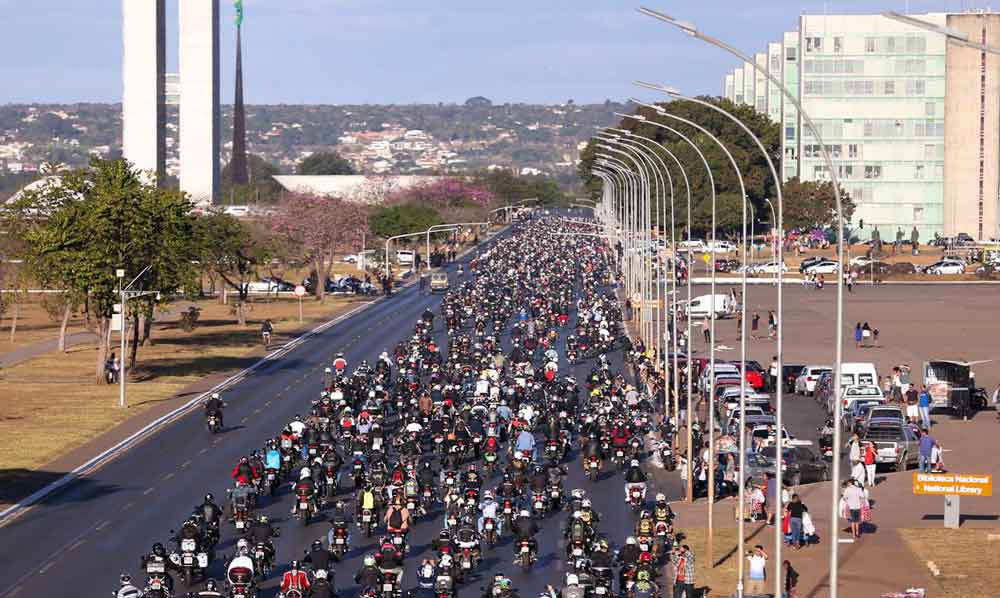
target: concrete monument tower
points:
(199, 112)
(144, 82)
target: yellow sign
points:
(958, 484)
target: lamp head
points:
(684, 26)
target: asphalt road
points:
(80, 540)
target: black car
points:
(802, 465)
(809, 261)
(788, 375)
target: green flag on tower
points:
(239, 12)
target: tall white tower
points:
(199, 111)
(143, 93)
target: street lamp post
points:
(630, 220)
(124, 294)
(691, 30)
(446, 227)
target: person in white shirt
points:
(853, 497)
(757, 572)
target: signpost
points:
(952, 486)
(300, 292)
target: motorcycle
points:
(619, 458)
(525, 555)
(261, 562)
(592, 467)
(213, 422)
(271, 479)
(367, 522)
(667, 456)
(489, 532)
(602, 581)
(340, 545)
(540, 503)
(189, 560)
(635, 498)
(555, 497)
(390, 585)
(305, 507)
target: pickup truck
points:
(896, 444)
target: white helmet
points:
(661, 497)
(634, 463)
(572, 579)
(215, 395)
(630, 540)
(305, 473)
(577, 514)
(586, 503)
(369, 561)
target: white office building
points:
(911, 121)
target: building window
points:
(814, 44)
(838, 44)
(890, 87)
(918, 171)
(915, 87)
(869, 128)
(873, 172)
(776, 63)
(916, 45)
(791, 54)
(929, 109)
(871, 45)
(930, 150)
(790, 133)
(739, 98)
(846, 172)
(852, 150)
(918, 214)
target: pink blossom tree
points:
(443, 193)
(320, 226)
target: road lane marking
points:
(185, 464)
(77, 544)
(168, 476)
(102, 526)
(47, 566)
(147, 491)
(128, 506)
(203, 451)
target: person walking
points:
(266, 330)
(755, 324)
(772, 324)
(756, 572)
(852, 498)
(912, 405)
(866, 334)
(927, 444)
(683, 561)
(869, 460)
(791, 580)
(854, 457)
(924, 406)
(796, 510)
(857, 335)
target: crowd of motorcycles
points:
(480, 432)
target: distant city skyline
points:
(398, 52)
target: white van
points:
(705, 307)
(405, 256)
(858, 374)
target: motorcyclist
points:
(211, 513)
(525, 528)
(244, 472)
(635, 477)
(305, 487)
(127, 590)
(578, 531)
(261, 533)
(211, 590)
(213, 406)
(368, 577)
(488, 510)
(157, 559)
(644, 526)
(319, 558)
(662, 511)
(294, 579)
(572, 589)
(526, 443)
(628, 558)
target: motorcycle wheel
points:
(526, 562)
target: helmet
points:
(327, 371)
(586, 503)
(209, 497)
(630, 540)
(644, 514)
(263, 519)
(298, 417)
(294, 565)
(215, 395)
(577, 493)
(634, 463)
(443, 534)
(317, 545)
(211, 585)
(158, 549)
(577, 514)
(369, 561)
(305, 473)
(488, 495)
(242, 544)
(525, 513)
(125, 578)
(660, 497)
(572, 579)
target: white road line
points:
(168, 476)
(185, 464)
(103, 525)
(77, 544)
(47, 566)
(147, 491)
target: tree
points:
(390, 221)
(319, 226)
(231, 250)
(325, 163)
(103, 218)
(753, 167)
(810, 204)
(262, 188)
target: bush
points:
(903, 268)
(189, 318)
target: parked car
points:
(823, 267)
(896, 444)
(853, 418)
(805, 383)
(810, 261)
(849, 394)
(800, 465)
(720, 246)
(945, 267)
(269, 285)
(881, 411)
(767, 268)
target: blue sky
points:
(414, 51)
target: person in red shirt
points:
(244, 472)
(295, 580)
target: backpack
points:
(577, 531)
(395, 519)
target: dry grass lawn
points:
(54, 396)
(968, 561)
(721, 579)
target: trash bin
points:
(960, 402)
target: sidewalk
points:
(33, 350)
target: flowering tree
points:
(443, 193)
(320, 226)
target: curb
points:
(95, 463)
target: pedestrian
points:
(869, 460)
(771, 498)
(628, 309)
(757, 572)
(866, 334)
(683, 562)
(912, 405)
(739, 327)
(927, 443)
(791, 580)
(849, 282)
(937, 459)
(852, 499)
(854, 457)
(423, 282)
(772, 373)
(820, 282)
(875, 337)
(796, 510)
(857, 335)
(707, 331)
(755, 324)
(772, 324)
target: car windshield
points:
(864, 391)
